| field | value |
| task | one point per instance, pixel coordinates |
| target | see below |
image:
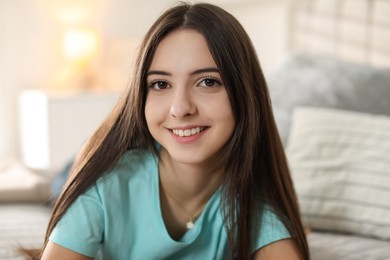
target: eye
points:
(158, 85)
(209, 82)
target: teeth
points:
(187, 132)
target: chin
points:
(191, 157)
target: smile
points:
(188, 132)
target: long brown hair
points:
(254, 161)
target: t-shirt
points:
(120, 217)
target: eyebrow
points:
(195, 72)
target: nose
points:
(182, 104)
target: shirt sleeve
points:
(81, 227)
(271, 229)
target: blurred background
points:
(63, 64)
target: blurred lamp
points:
(80, 46)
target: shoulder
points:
(271, 221)
(134, 167)
(269, 228)
(282, 249)
(131, 164)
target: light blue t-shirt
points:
(120, 216)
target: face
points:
(187, 107)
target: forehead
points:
(180, 49)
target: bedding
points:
(324, 81)
(320, 82)
(24, 209)
(336, 246)
(21, 225)
(340, 163)
(19, 184)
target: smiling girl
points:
(189, 165)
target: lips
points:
(188, 131)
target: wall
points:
(30, 45)
(266, 22)
(25, 47)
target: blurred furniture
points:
(54, 126)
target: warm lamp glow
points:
(71, 16)
(74, 11)
(80, 46)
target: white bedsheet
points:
(332, 246)
(21, 225)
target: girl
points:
(189, 165)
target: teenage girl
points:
(189, 165)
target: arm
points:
(54, 251)
(282, 249)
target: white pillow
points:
(340, 164)
(19, 184)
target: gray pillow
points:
(320, 81)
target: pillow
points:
(321, 81)
(340, 165)
(19, 184)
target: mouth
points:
(188, 132)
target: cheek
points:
(222, 110)
(229, 122)
(154, 111)
(148, 111)
(226, 118)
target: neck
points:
(192, 185)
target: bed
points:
(331, 99)
(25, 206)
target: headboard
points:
(354, 30)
